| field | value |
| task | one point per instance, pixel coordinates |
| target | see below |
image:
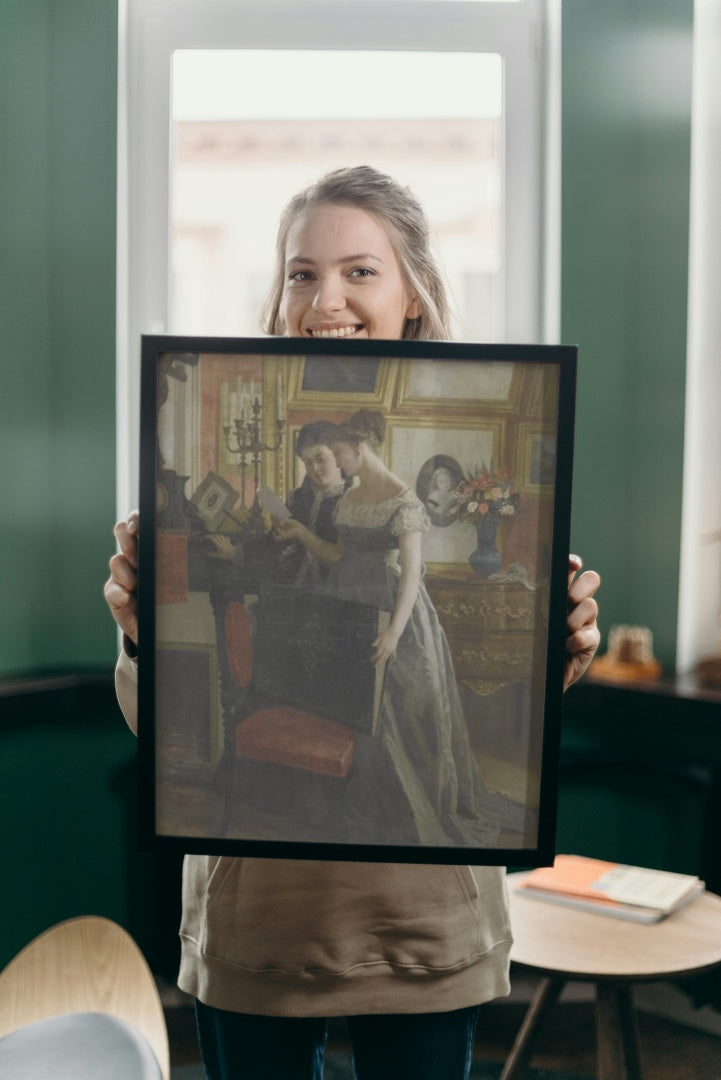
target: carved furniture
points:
(492, 626)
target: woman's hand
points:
(121, 587)
(385, 646)
(219, 547)
(583, 635)
(289, 529)
(324, 551)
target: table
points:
(563, 944)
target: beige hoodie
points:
(285, 937)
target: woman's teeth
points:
(336, 332)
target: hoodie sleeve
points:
(126, 688)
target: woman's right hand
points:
(121, 587)
(289, 529)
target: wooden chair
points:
(80, 1001)
(297, 684)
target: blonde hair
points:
(402, 216)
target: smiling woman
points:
(336, 294)
(353, 259)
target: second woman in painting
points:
(312, 503)
(416, 781)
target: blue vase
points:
(486, 559)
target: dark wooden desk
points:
(640, 774)
(680, 697)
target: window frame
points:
(526, 34)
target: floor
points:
(669, 1051)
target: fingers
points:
(123, 607)
(575, 563)
(219, 547)
(381, 655)
(584, 641)
(580, 614)
(121, 587)
(582, 633)
(126, 534)
(583, 587)
(384, 649)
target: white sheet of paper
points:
(273, 504)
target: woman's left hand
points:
(582, 633)
(219, 546)
(288, 529)
(385, 646)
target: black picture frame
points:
(251, 742)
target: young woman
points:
(442, 502)
(312, 503)
(271, 948)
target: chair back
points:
(84, 965)
(314, 651)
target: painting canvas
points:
(273, 720)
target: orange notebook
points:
(631, 892)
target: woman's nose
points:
(329, 296)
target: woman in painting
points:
(416, 781)
(442, 501)
(272, 947)
(312, 503)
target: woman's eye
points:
(299, 276)
(362, 272)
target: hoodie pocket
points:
(300, 916)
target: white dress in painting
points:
(416, 782)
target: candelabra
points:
(244, 439)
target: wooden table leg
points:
(545, 997)
(617, 1033)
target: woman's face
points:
(321, 467)
(348, 458)
(342, 277)
(442, 480)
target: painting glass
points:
(353, 570)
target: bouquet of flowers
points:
(487, 494)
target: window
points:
(235, 160)
(227, 107)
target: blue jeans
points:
(414, 1046)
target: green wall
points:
(625, 200)
(626, 127)
(626, 136)
(58, 73)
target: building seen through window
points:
(232, 175)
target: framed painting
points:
(537, 450)
(352, 597)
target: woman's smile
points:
(335, 331)
(342, 277)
